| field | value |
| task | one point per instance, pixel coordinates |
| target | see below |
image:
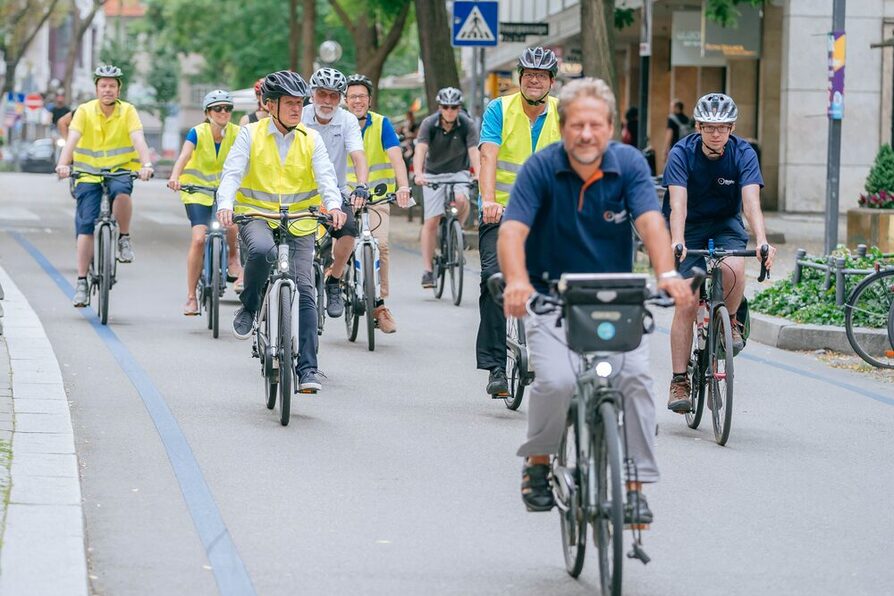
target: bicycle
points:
(212, 282)
(869, 318)
(276, 330)
(361, 283)
(450, 245)
(322, 260)
(518, 363)
(711, 363)
(103, 270)
(604, 315)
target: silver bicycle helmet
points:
(538, 59)
(329, 78)
(449, 96)
(107, 71)
(217, 97)
(359, 79)
(715, 108)
(283, 82)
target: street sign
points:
(475, 23)
(34, 101)
(520, 31)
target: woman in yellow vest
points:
(200, 163)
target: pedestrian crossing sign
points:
(475, 23)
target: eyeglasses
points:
(709, 129)
(357, 96)
(537, 76)
(450, 108)
(219, 109)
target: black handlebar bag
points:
(604, 312)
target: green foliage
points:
(163, 77)
(624, 17)
(881, 176)
(118, 51)
(809, 302)
(725, 11)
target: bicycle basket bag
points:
(604, 312)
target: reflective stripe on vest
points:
(105, 143)
(380, 168)
(205, 165)
(270, 182)
(516, 141)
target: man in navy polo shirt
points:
(570, 211)
(712, 178)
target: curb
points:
(786, 335)
(43, 548)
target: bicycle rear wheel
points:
(696, 373)
(352, 314)
(105, 272)
(369, 295)
(284, 353)
(720, 375)
(214, 298)
(609, 526)
(456, 262)
(869, 317)
(439, 263)
(569, 493)
(516, 362)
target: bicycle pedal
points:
(636, 526)
(307, 391)
(499, 396)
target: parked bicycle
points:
(276, 330)
(711, 363)
(448, 257)
(869, 318)
(212, 282)
(103, 270)
(604, 315)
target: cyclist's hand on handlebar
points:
(420, 179)
(359, 196)
(225, 217)
(146, 173)
(515, 298)
(491, 212)
(338, 218)
(679, 289)
(679, 250)
(403, 197)
(174, 184)
(771, 252)
(63, 172)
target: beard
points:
(586, 161)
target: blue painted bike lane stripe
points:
(229, 571)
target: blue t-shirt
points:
(389, 137)
(714, 187)
(574, 234)
(492, 124)
(193, 137)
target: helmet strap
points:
(713, 151)
(277, 118)
(534, 102)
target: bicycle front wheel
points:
(456, 262)
(104, 272)
(352, 314)
(369, 295)
(609, 529)
(214, 298)
(284, 348)
(869, 319)
(440, 261)
(516, 362)
(696, 372)
(720, 375)
(569, 493)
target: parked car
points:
(40, 156)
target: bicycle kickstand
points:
(636, 551)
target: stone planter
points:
(872, 227)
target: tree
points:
(308, 37)
(22, 19)
(435, 48)
(80, 24)
(597, 33)
(121, 54)
(164, 78)
(881, 175)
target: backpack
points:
(684, 129)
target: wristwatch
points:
(672, 274)
(148, 164)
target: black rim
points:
(609, 529)
(440, 261)
(720, 376)
(369, 295)
(869, 312)
(456, 262)
(696, 374)
(352, 317)
(105, 273)
(285, 354)
(573, 521)
(214, 298)
(516, 363)
(271, 381)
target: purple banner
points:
(837, 41)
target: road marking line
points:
(18, 214)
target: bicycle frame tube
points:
(366, 238)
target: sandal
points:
(191, 308)
(536, 491)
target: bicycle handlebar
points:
(194, 188)
(720, 254)
(435, 185)
(249, 215)
(104, 174)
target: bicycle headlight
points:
(604, 369)
(215, 225)
(283, 265)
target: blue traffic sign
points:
(475, 23)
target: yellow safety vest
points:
(516, 141)
(206, 164)
(380, 169)
(105, 141)
(270, 182)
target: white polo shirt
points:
(341, 135)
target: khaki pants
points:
(379, 218)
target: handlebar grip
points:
(495, 285)
(765, 273)
(698, 278)
(678, 252)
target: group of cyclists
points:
(556, 195)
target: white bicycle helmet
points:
(715, 108)
(217, 97)
(329, 78)
(107, 71)
(449, 96)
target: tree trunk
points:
(79, 29)
(308, 41)
(293, 35)
(11, 61)
(438, 59)
(598, 40)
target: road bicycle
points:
(711, 362)
(276, 329)
(869, 318)
(103, 270)
(361, 283)
(448, 257)
(212, 282)
(604, 315)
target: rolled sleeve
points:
(492, 124)
(234, 169)
(324, 173)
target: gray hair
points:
(586, 87)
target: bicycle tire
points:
(609, 527)
(721, 375)
(352, 316)
(214, 298)
(439, 263)
(271, 381)
(369, 295)
(105, 272)
(456, 262)
(696, 372)
(319, 281)
(284, 354)
(516, 362)
(572, 519)
(861, 313)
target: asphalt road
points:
(401, 476)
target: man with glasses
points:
(447, 145)
(514, 127)
(712, 178)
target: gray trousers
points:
(556, 368)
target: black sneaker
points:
(310, 382)
(335, 302)
(636, 511)
(243, 323)
(497, 385)
(536, 491)
(428, 280)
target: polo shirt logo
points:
(725, 182)
(615, 217)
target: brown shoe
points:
(680, 390)
(384, 320)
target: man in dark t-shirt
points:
(678, 126)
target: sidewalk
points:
(42, 522)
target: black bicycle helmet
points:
(107, 71)
(715, 108)
(538, 59)
(329, 78)
(283, 82)
(359, 79)
(449, 96)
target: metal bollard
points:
(839, 281)
(796, 274)
(827, 282)
(861, 250)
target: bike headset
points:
(715, 108)
(537, 59)
(283, 83)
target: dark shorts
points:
(89, 197)
(729, 234)
(350, 227)
(199, 215)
